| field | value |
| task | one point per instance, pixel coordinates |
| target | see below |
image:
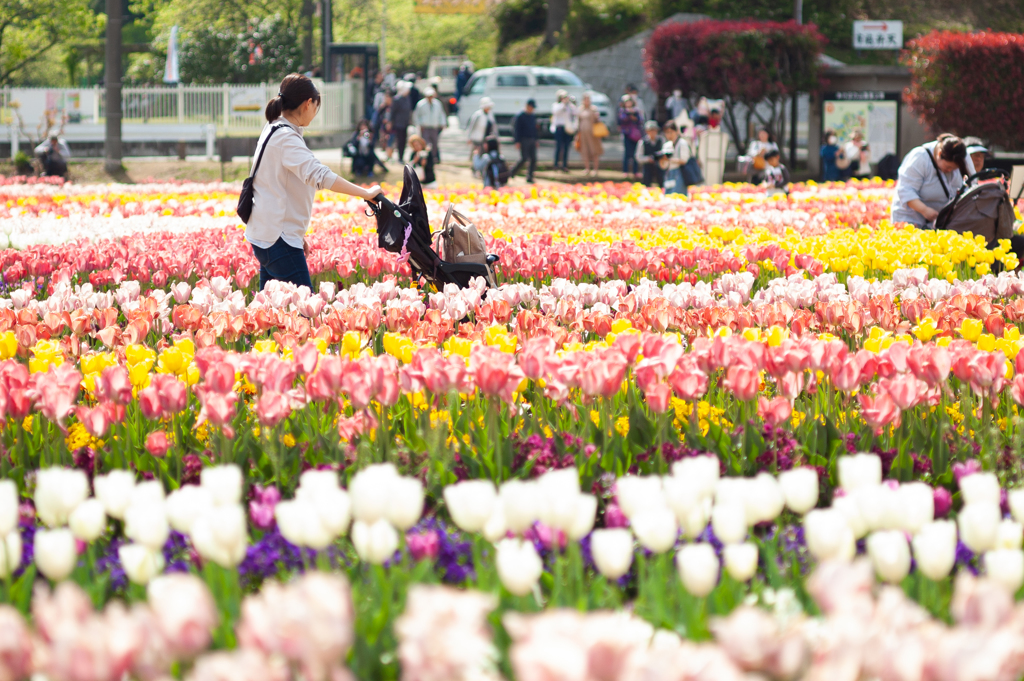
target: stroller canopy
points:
(982, 207)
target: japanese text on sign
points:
(878, 35)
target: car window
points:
(557, 77)
(512, 80)
(477, 86)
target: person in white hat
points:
(482, 126)
(978, 152)
(430, 119)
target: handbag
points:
(244, 208)
(691, 172)
(600, 130)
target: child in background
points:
(491, 165)
(423, 161)
(776, 175)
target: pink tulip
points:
(149, 403)
(742, 381)
(878, 411)
(184, 611)
(261, 507)
(943, 500)
(962, 470)
(96, 419)
(930, 363)
(423, 545)
(604, 374)
(57, 390)
(1017, 389)
(846, 375)
(689, 382)
(220, 377)
(15, 645)
(157, 444)
(306, 358)
(774, 412)
(173, 393)
(658, 397)
(272, 408)
(495, 372)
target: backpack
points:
(888, 167)
(461, 241)
(498, 170)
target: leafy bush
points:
(23, 163)
(266, 50)
(593, 25)
(530, 51)
(518, 19)
(742, 62)
(969, 84)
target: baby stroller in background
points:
(405, 228)
(983, 207)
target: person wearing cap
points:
(649, 152)
(524, 132)
(563, 125)
(481, 126)
(430, 118)
(978, 152)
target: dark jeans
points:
(654, 176)
(401, 134)
(282, 262)
(629, 155)
(527, 157)
(562, 142)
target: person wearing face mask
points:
(929, 177)
(286, 178)
(830, 155)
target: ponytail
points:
(294, 91)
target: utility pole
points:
(326, 20)
(112, 150)
(798, 15)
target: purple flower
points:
(423, 544)
(261, 507)
(966, 468)
(965, 558)
(943, 501)
(614, 517)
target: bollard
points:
(211, 137)
(182, 149)
(14, 141)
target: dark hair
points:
(952, 148)
(362, 122)
(771, 153)
(295, 89)
(670, 125)
(492, 145)
(771, 137)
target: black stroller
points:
(405, 228)
(980, 207)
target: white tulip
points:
(890, 555)
(729, 523)
(520, 502)
(980, 488)
(917, 504)
(88, 521)
(879, 507)
(1006, 567)
(633, 493)
(850, 510)
(375, 542)
(703, 471)
(696, 521)
(55, 553)
(301, 525)
(333, 508)
(58, 492)
(828, 535)
(140, 563)
(8, 506)
(583, 522)
(370, 491)
(859, 470)
(1016, 499)
(935, 549)
(224, 483)
(496, 528)
(656, 528)
(184, 505)
(559, 490)
(147, 492)
(698, 568)
(740, 561)
(406, 504)
(219, 535)
(319, 479)
(1009, 535)
(681, 495)
(114, 490)
(764, 501)
(146, 523)
(519, 566)
(470, 503)
(10, 554)
(612, 551)
(979, 526)
(800, 489)
(732, 491)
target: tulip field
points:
(731, 436)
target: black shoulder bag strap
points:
(931, 157)
(245, 197)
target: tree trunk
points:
(558, 12)
(307, 34)
(112, 77)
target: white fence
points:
(235, 110)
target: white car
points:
(510, 86)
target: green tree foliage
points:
(30, 29)
(267, 50)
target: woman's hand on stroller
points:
(371, 193)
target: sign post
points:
(878, 35)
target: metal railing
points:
(236, 110)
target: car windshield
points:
(478, 85)
(557, 77)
